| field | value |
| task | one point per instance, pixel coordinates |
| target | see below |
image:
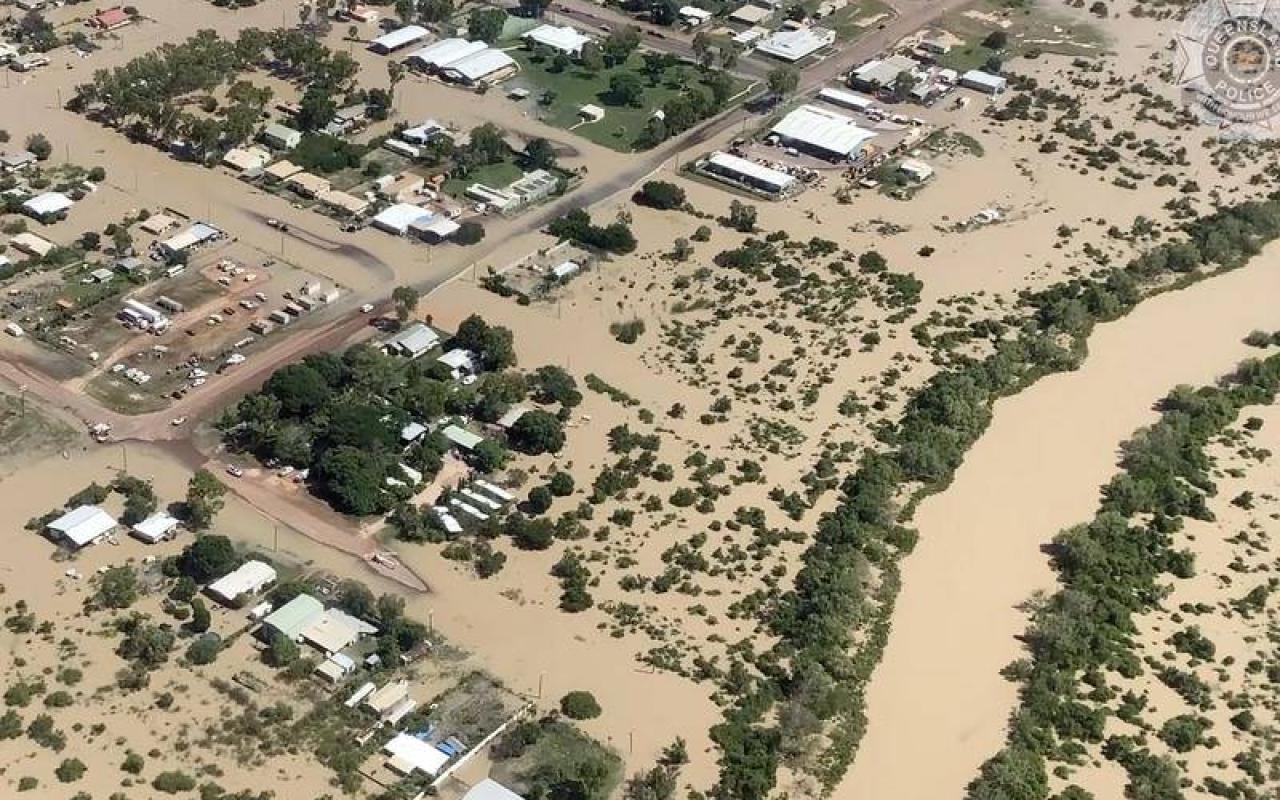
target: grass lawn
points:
(1030, 28)
(575, 87)
(496, 176)
(854, 20)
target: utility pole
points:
(124, 453)
(275, 538)
(541, 675)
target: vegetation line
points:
(832, 626)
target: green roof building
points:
(294, 617)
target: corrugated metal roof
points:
(822, 129)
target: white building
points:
(32, 245)
(82, 526)
(396, 218)
(915, 169)
(882, 72)
(748, 173)
(413, 341)
(250, 577)
(408, 754)
(489, 789)
(823, 133)
(561, 38)
(48, 205)
(487, 65)
(334, 631)
(399, 39)
(750, 14)
(839, 97)
(694, 16)
(441, 54)
(194, 236)
(247, 159)
(983, 82)
(155, 528)
(793, 45)
(281, 137)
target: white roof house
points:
(750, 14)
(196, 235)
(334, 631)
(412, 432)
(281, 136)
(692, 15)
(83, 525)
(755, 175)
(793, 45)
(48, 204)
(155, 527)
(438, 55)
(294, 617)
(882, 72)
(459, 360)
(247, 159)
(250, 577)
(462, 437)
(400, 37)
(489, 789)
(395, 219)
(413, 341)
(388, 697)
(916, 169)
(562, 38)
(336, 667)
(983, 81)
(825, 133)
(409, 754)
(32, 245)
(487, 64)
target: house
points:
(347, 119)
(281, 137)
(512, 416)
(308, 185)
(565, 269)
(281, 170)
(361, 13)
(398, 39)
(746, 173)
(882, 73)
(31, 244)
(397, 188)
(409, 754)
(793, 45)
(335, 630)
(249, 578)
(48, 206)
(110, 19)
(694, 16)
(16, 162)
(560, 38)
(344, 203)
(131, 266)
(336, 668)
(489, 789)
(292, 618)
(438, 55)
(750, 14)
(424, 133)
(395, 219)
(82, 526)
(246, 159)
(462, 438)
(823, 133)
(100, 275)
(197, 234)
(157, 224)
(155, 528)
(459, 361)
(983, 82)
(915, 169)
(534, 186)
(488, 66)
(412, 432)
(387, 698)
(413, 341)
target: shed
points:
(336, 667)
(485, 65)
(694, 16)
(823, 133)
(155, 528)
(157, 224)
(748, 173)
(435, 229)
(750, 14)
(561, 38)
(386, 698)
(412, 432)
(591, 112)
(281, 137)
(915, 169)
(396, 218)
(295, 616)
(413, 341)
(438, 55)
(83, 525)
(31, 244)
(110, 19)
(983, 82)
(489, 789)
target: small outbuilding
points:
(249, 578)
(281, 137)
(155, 528)
(489, 789)
(413, 341)
(984, 82)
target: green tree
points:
(537, 432)
(485, 24)
(405, 299)
(200, 618)
(580, 705)
(70, 770)
(118, 587)
(38, 145)
(204, 499)
(783, 81)
(626, 89)
(208, 558)
(281, 651)
(660, 195)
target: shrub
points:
(660, 195)
(70, 770)
(579, 705)
(173, 782)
